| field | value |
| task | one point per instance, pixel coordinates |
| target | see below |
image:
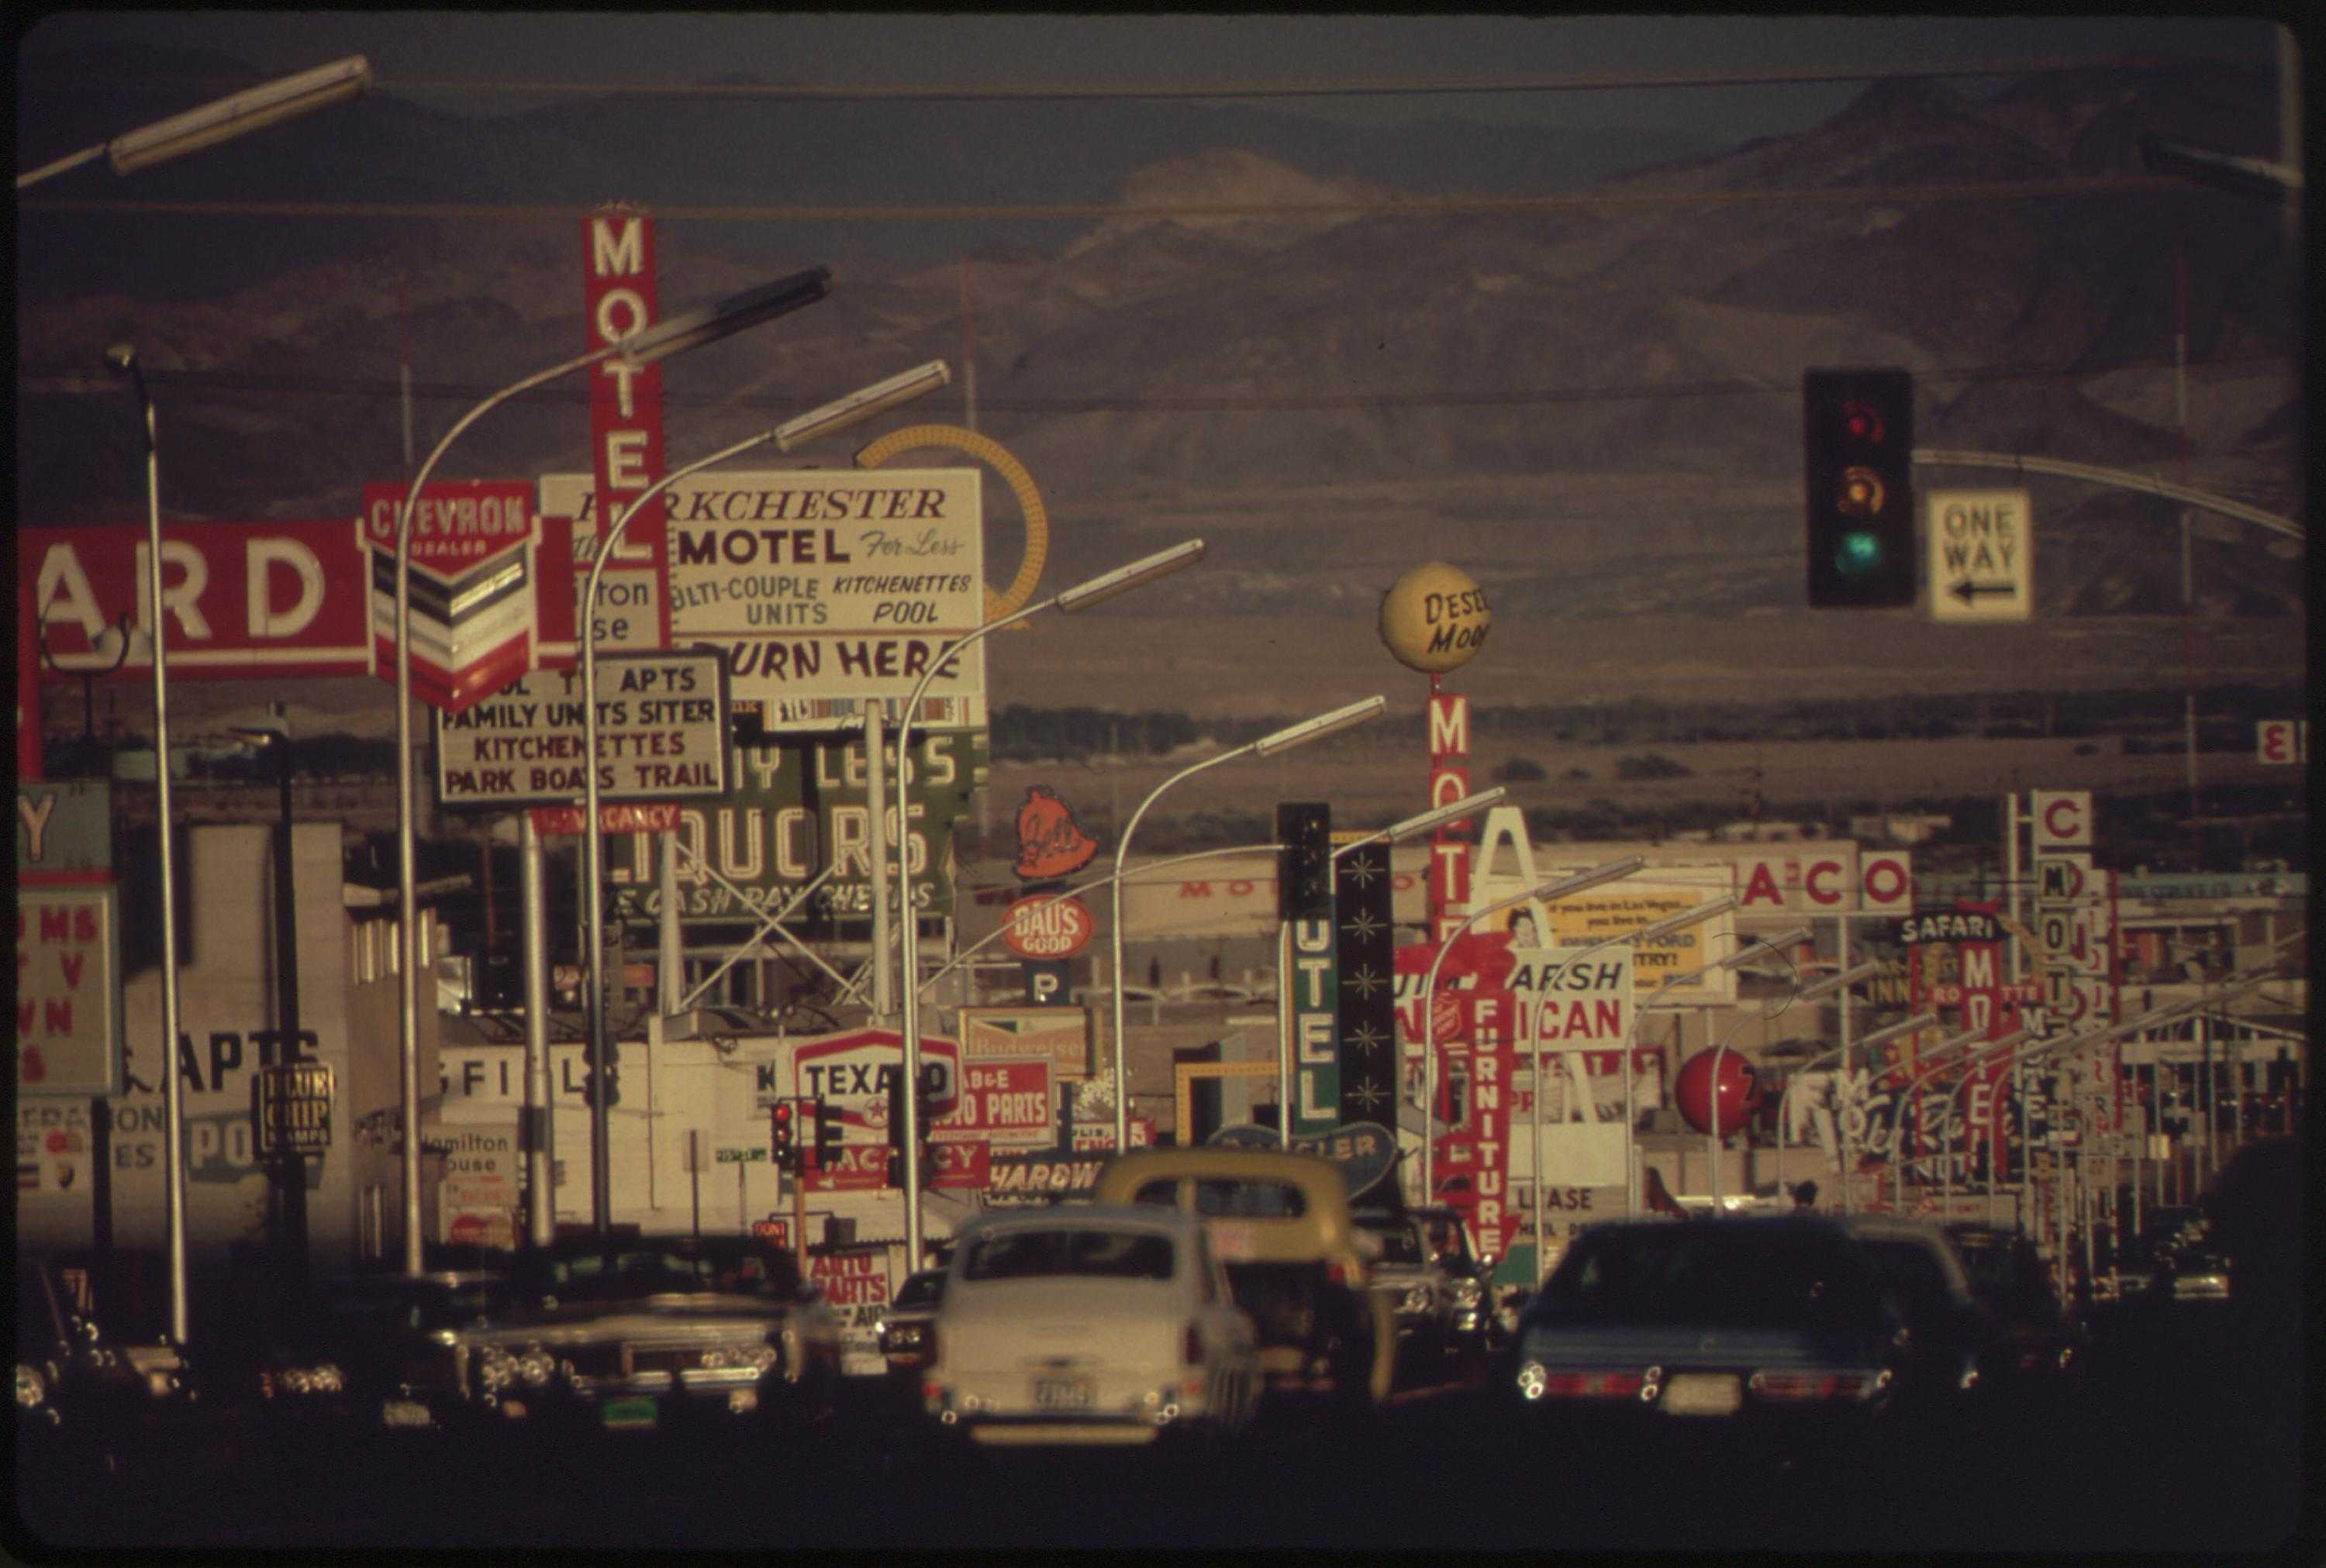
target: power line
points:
(48, 380)
(965, 212)
(892, 92)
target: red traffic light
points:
(1862, 421)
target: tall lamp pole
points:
(1083, 596)
(122, 359)
(1559, 887)
(850, 409)
(647, 347)
(288, 1174)
(1269, 745)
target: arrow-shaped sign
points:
(1970, 592)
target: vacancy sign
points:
(1979, 545)
(662, 735)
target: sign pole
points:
(541, 1212)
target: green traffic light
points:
(1859, 554)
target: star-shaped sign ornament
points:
(1367, 1095)
(1360, 871)
(1362, 926)
(1365, 1038)
(1365, 981)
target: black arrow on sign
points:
(1968, 592)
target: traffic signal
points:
(827, 1134)
(783, 1123)
(1859, 435)
(1304, 864)
(589, 1086)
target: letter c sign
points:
(2063, 818)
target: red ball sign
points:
(1048, 926)
(1738, 1093)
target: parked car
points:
(637, 1333)
(2033, 1343)
(2195, 1272)
(906, 1329)
(381, 1352)
(1773, 1336)
(1950, 1332)
(1433, 1284)
(83, 1394)
(1280, 1224)
(1082, 1323)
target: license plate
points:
(406, 1413)
(1064, 1393)
(628, 1415)
(1704, 1394)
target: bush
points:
(1653, 764)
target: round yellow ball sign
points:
(1434, 618)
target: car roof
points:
(1078, 1216)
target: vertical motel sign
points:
(626, 450)
(1310, 985)
(1449, 780)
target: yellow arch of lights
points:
(1013, 473)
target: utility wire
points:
(970, 212)
(892, 92)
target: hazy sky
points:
(483, 48)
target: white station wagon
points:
(1079, 1323)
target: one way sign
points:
(1980, 543)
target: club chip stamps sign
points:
(827, 588)
(662, 735)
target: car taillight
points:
(1341, 1272)
(1811, 1386)
(1593, 1385)
(1192, 1349)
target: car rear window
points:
(1712, 1275)
(1223, 1197)
(1912, 1271)
(1079, 1253)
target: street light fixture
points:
(688, 330)
(238, 115)
(1269, 744)
(1430, 820)
(1558, 887)
(1082, 596)
(832, 417)
(122, 359)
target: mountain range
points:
(1570, 362)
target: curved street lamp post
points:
(834, 416)
(651, 345)
(1737, 960)
(1083, 596)
(1269, 744)
(1558, 887)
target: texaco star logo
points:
(1367, 1038)
(1363, 926)
(1365, 981)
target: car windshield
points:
(1081, 1253)
(397, 1305)
(920, 1290)
(646, 1271)
(1711, 1275)
(1400, 1243)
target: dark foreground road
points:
(2179, 1442)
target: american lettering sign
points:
(827, 588)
